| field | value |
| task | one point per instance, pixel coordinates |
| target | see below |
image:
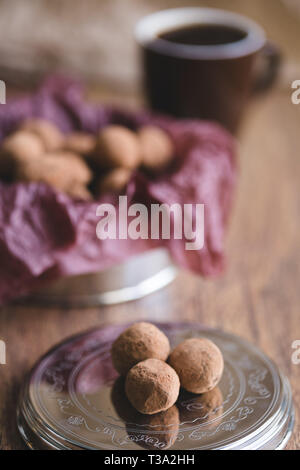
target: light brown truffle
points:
(49, 134)
(156, 148)
(199, 364)
(157, 431)
(79, 170)
(116, 147)
(18, 147)
(115, 181)
(80, 142)
(139, 342)
(152, 386)
(60, 171)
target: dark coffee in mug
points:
(199, 62)
(203, 35)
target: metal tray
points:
(74, 399)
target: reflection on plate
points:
(74, 399)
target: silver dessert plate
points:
(74, 399)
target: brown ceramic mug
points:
(202, 62)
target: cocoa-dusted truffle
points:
(199, 364)
(58, 170)
(139, 342)
(82, 143)
(49, 134)
(158, 431)
(115, 181)
(152, 386)
(74, 164)
(117, 146)
(18, 147)
(156, 148)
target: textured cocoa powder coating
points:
(199, 364)
(156, 148)
(61, 170)
(116, 147)
(139, 342)
(18, 148)
(75, 166)
(152, 386)
(50, 135)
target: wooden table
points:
(257, 298)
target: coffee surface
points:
(203, 35)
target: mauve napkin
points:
(45, 235)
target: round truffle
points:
(115, 181)
(59, 170)
(139, 342)
(18, 148)
(199, 364)
(49, 134)
(157, 431)
(75, 166)
(156, 148)
(117, 146)
(152, 386)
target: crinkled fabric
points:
(45, 235)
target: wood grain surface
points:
(258, 297)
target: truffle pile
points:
(80, 164)
(152, 385)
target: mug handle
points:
(271, 59)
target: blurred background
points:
(94, 39)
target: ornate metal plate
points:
(73, 399)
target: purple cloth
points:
(45, 235)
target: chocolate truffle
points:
(139, 342)
(49, 134)
(158, 431)
(152, 386)
(75, 165)
(60, 171)
(116, 147)
(199, 364)
(17, 148)
(156, 148)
